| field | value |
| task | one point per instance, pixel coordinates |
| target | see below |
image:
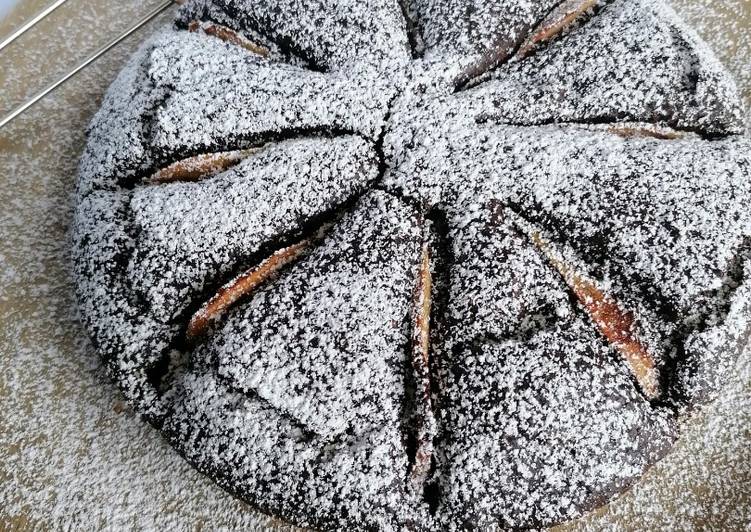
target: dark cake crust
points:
(421, 265)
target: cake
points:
(426, 265)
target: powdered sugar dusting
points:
(376, 453)
(306, 350)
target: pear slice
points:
(614, 323)
(229, 36)
(200, 166)
(557, 20)
(421, 366)
(240, 287)
(631, 131)
(423, 304)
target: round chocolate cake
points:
(437, 264)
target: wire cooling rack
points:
(78, 68)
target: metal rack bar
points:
(30, 24)
(103, 50)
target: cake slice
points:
(634, 61)
(218, 95)
(268, 459)
(466, 38)
(554, 428)
(501, 287)
(327, 34)
(195, 236)
(313, 343)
